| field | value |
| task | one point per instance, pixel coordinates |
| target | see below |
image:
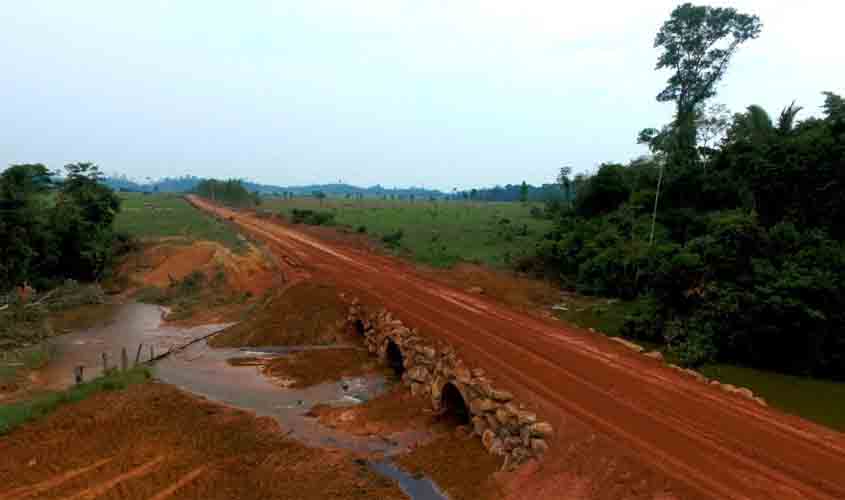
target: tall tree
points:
(697, 44)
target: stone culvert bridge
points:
(432, 369)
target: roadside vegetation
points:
(15, 414)
(438, 233)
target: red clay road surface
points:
(626, 425)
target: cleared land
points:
(438, 233)
(155, 216)
(628, 425)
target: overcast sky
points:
(434, 93)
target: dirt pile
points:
(161, 264)
(306, 313)
(203, 282)
(198, 450)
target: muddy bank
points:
(304, 368)
(154, 441)
(305, 313)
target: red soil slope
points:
(626, 426)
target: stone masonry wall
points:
(505, 428)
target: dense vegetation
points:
(231, 192)
(53, 229)
(734, 248)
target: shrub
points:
(312, 217)
(393, 240)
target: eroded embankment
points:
(433, 369)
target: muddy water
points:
(133, 324)
(418, 488)
(205, 371)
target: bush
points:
(312, 217)
(393, 240)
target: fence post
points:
(138, 354)
(105, 363)
(77, 374)
(124, 360)
(152, 352)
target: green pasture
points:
(437, 233)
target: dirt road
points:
(627, 426)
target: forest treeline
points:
(230, 192)
(734, 249)
(56, 228)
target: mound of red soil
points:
(154, 442)
(306, 313)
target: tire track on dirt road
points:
(703, 439)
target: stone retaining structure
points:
(506, 429)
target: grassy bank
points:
(16, 414)
(169, 215)
(437, 233)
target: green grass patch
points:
(438, 233)
(16, 414)
(157, 216)
(821, 401)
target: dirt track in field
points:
(626, 426)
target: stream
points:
(205, 371)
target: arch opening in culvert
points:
(394, 358)
(453, 406)
(359, 327)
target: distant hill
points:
(509, 192)
(188, 183)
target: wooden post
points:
(78, 375)
(138, 354)
(105, 363)
(124, 360)
(152, 352)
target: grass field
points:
(168, 215)
(436, 233)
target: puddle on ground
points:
(205, 371)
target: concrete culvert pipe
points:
(453, 406)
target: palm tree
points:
(759, 125)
